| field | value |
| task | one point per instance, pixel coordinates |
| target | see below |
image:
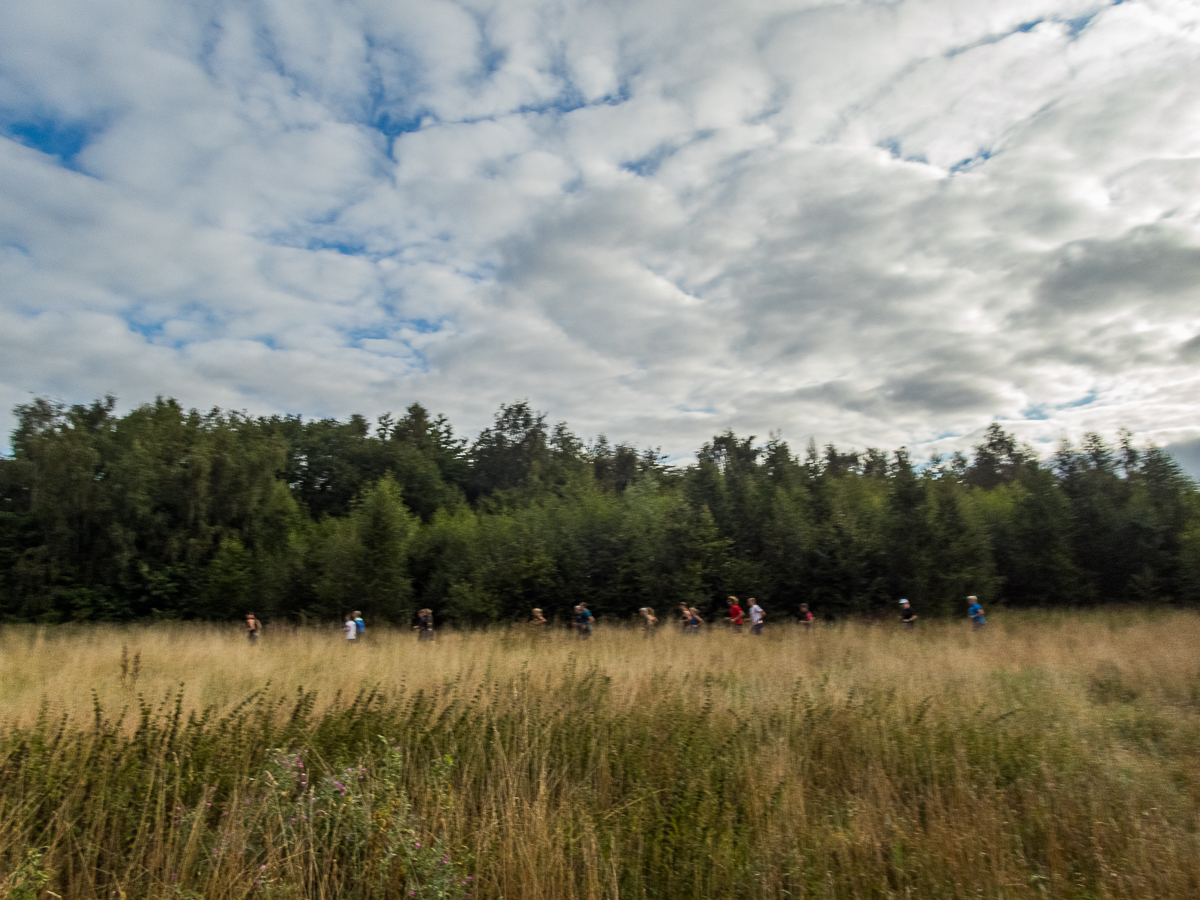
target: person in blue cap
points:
(908, 615)
(975, 611)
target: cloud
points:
(878, 224)
(1149, 264)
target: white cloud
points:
(873, 223)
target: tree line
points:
(171, 513)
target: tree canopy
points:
(171, 513)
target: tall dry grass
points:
(1050, 755)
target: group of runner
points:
(736, 617)
(689, 619)
(354, 627)
(908, 615)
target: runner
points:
(691, 625)
(806, 617)
(736, 616)
(536, 627)
(253, 627)
(908, 615)
(975, 611)
(756, 617)
(349, 628)
(649, 620)
(686, 615)
(425, 625)
(583, 621)
(359, 624)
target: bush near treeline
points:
(170, 513)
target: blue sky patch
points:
(62, 138)
(1086, 399)
(346, 248)
(647, 165)
(1022, 28)
(1076, 25)
(392, 125)
(423, 326)
(154, 332)
(892, 146)
(971, 162)
(152, 327)
(356, 337)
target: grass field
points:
(1048, 756)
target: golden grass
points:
(1157, 655)
(1048, 755)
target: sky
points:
(873, 222)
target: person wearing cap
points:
(756, 617)
(975, 611)
(907, 615)
(252, 628)
(736, 617)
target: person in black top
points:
(907, 615)
(424, 625)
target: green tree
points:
(384, 529)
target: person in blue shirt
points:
(975, 611)
(583, 621)
(359, 625)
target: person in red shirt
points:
(736, 616)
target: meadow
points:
(1051, 755)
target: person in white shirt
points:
(350, 628)
(756, 617)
